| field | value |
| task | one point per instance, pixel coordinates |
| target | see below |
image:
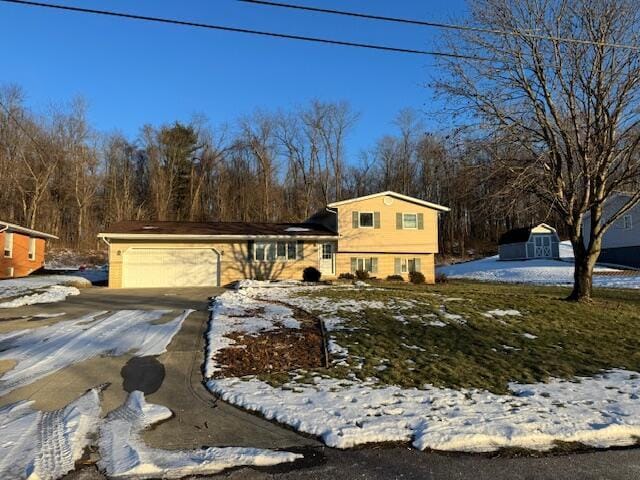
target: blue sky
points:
(132, 73)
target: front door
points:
(542, 246)
(327, 259)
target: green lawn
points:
(476, 351)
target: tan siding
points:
(386, 264)
(387, 238)
(233, 260)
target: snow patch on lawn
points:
(541, 272)
(39, 289)
(14, 287)
(437, 323)
(237, 312)
(125, 455)
(503, 313)
(42, 351)
(46, 445)
(602, 411)
(55, 293)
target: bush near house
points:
(395, 278)
(441, 278)
(417, 278)
(346, 276)
(311, 274)
(362, 275)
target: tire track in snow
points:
(42, 351)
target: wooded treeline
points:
(59, 175)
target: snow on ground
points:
(52, 294)
(600, 411)
(42, 351)
(18, 292)
(15, 287)
(239, 313)
(46, 445)
(542, 272)
(503, 313)
(229, 313)
(125, 455)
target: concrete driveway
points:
(174, 379)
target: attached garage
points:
(166, 254)
(170, 267)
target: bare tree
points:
(572, 106)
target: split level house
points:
(23, 251)
(385, 234)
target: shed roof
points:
(216, 229)
(521, 235)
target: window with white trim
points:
(365, 264)
(410, 221)
(32, 248)
(275, 251)
(8, 244)
(366, 219)
(408, 265)
(627, 222)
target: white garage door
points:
(167, 267)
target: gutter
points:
(28, 231)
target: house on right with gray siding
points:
(621, 242)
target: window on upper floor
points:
(627, 222)
(8, 244)
(366, 220)
(410, 221)
(32, 248)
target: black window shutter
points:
(250, 245)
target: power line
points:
(240, 30)
(450, 26)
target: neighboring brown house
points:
(23, 251)
(386, 233)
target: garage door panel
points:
(165, 267)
